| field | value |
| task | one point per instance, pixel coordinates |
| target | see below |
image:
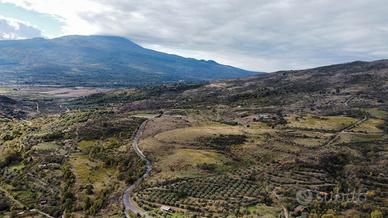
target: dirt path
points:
(8, 195)
(129, 203)
(278, 201)
(338, 134)
(20, 204)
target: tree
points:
(4, 205)
(87, 203)
(89, 189)
(376, 214)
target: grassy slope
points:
(290, 131)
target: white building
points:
(165, 208)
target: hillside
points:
(100, 61)
(284, 144)
(11, 108)
(320, 90)
(322, 129)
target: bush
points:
(384, 126)
(376, 214)
(10, 158)
(224, 142)
(207, 167)
(4, 206)
(89, 189)
(334, 163)
(55, 135)
(181, 194)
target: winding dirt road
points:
(129, 203)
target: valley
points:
(230, 148)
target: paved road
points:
(129, 204)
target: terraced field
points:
(213, 195)
(194, 176)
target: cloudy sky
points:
(262, 35)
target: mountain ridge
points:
(101, 61)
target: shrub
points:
(10, 158)
(376, 214)
(223, 142)
(4, 206)
(207, 167)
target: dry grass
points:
(191, 134)
(166, 123)
(264, 211)
(85, 145)
(358, 137)
(309, 142)
(377, 113)
(369, 126)
(164, 145)
(90, 172)
(322, 122)
(46, 146)
(144, 115)
(183, 163)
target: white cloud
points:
(68, 11)
(255, 34)
(14, 29)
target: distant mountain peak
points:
(93, 37)
(101, 60)
(97, 41)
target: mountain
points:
(101, 61)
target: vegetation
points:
(236, 148)
(47, 164)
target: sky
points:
(260, 35)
